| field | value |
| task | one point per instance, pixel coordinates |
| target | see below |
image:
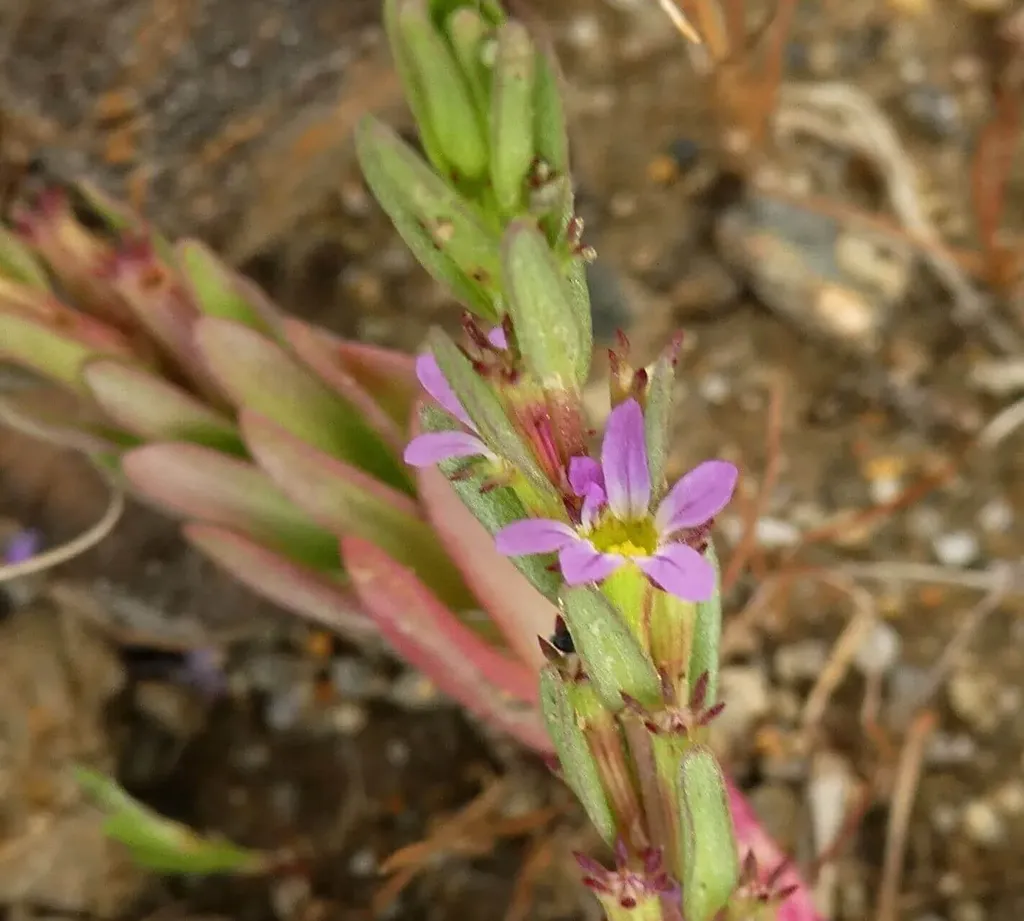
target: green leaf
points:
(454, 121)
(214, 286)
(579, 768)
(710, 867)
(162, 845)
(451, 242)
(554, 339)
(613, 659)
(19, 264)
(36, 346)
(259, 375)
(511, 121)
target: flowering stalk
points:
(630, 681)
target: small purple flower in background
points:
(433, 447)
(616, 526)
(22, 547)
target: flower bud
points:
(710, 867)
(511, 117)
(554, 336)
(614, 661)
(579, 768)
(454, 122)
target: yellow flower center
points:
(627, 538)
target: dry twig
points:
(907, 775)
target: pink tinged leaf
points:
(194, 482)
(161, 306)
(389, 375)
(513, 604)
(534, 535)
(751, 837)
(155, 409)
(681, 571)
(581, 563)
(52, 413)
(316, 351)
(584, 472)
(434, 447)
(697, 497)
(58, 354)
(430, 376)
(322, 597)
(627, 480)
(259, 375)
(424, 633)
(346, 500)
(217, 290)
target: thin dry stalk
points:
(84, 542)
(843, 651)
(773, 453)
(908, 773)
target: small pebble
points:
(944, 818)
(714, 388)
(773, 533)
(349, 718)
(996, 516)
(880, 650)
(746, 689)
(288, 895)
(414, 691)
(973, 695)
(950, 749)
(363, 863)
(801, 661)
(933, 109)
(584, 32)
(1010, 798)
(353, 678)
(285, 708)
(397, 753)
(956, 548)
(968, 911)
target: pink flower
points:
(616, 525)
(433, 447)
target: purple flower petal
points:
(433, 381)
(434, 447)
(583, 472)
(497, 338)
(22, 547)
(581, 563)
(534, 535)
(680, 570)
(624, 461)
(593, 504)
(697, 497)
